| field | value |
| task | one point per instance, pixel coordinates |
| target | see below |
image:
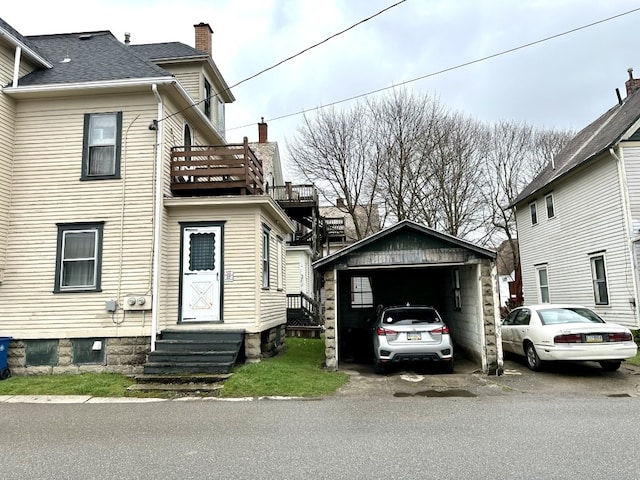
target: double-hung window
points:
(548, 200)
(102, 146)
(599, 278)
(207, 99)
(543, 283)
(534, 213)
(79, 257)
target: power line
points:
(440, 72)
(288, 58)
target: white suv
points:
(411, 334)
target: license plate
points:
(593, 338)
(414, 336)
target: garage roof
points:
(406, 227)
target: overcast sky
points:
(565, 82)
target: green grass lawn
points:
(295, 372)
(635, 360)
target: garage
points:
(411, 263)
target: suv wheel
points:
(378, 367)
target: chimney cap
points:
(203, 24)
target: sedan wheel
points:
(610, 366)
(533, 361)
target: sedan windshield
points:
(554, 316)
(410, 316)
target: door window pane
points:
(201, 251)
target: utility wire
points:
(440, 72)
(287, 59)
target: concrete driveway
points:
(557, 379)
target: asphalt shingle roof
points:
(18, 36)
(589, 143)
(158, 51)
(92, 57)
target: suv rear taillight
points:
(385, 332)
(444, 330)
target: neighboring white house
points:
(579, 219)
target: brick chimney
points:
(632, 84)
(340, 203)
(262, 131)
(203, 37)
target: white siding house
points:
(579, 220)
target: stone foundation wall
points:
(330, 318)
(489, 286)
(122, 355)
(264, 344)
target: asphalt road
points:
(510, 436)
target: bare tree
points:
(454, 179)
(334, 151)
(515, 153)
(404, 126)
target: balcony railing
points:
(216, 170)
(334, 228)
(294, 193)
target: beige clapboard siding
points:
(273, 303)
(7, 114)
(588, 219)
(240, 229)
(49, 140)
(191, 81)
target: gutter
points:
(157, 219)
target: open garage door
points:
(410, 263)
(362, 292)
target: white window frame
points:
(598, 282)
(279, 265)
(544, 293)
(549, 206)
(533, 213)
(266, 258)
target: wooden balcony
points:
(231, 169)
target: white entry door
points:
(201, 274)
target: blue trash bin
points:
(4, 349)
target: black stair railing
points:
(302, 311)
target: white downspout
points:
(16, 66)
(157, 219)
(626, 207)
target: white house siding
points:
(7, 114)
(46, 190)
(466, 323)
(588, 219)
(299, 271)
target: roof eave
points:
(225, 90)
(29, 52)
(58, 87)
